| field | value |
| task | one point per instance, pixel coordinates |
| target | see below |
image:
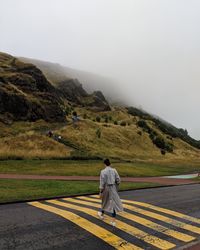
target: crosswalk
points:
(156, 227)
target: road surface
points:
(158, 218)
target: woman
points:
(109, 180)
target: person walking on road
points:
(109, 182)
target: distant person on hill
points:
(50, 133)
(75, 119)
(109, 181)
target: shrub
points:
(115, 122)
(162, 144)
(106, 119)
(162, 151)
(169, 147)
(152, 134)
(168, 137)
(98, 118)
(142, 124)
(98, 133)
(159, 142)
(123, 123)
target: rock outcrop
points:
(25, 93)
(70, 88)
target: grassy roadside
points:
(19, 190)
(93, 168)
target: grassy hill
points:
(103, 130)
(91, 138)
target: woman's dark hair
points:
(107, 162)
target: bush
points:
(123, 123)
(98, 118)
(159, 142)
(162, 144)
(142, 124)
(85, 116)
(106, 119)
(162, 151)
(98, 133)
(152, 134)
(168, 137)
(169, 147)
(115, 122)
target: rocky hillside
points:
(70, 88)
(26, 94)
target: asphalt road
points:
(73, 224)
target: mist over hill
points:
(57, 73)
(26, 94)
(91, 82)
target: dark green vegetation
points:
(159, 141)
(165, 127)
(19, 190)
(92, 168)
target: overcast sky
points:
(150, 48)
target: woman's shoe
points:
(113, 223)
(100, 215)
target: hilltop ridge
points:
(27, 95)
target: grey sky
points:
(150, 48)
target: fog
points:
(148, 49)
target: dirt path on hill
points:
(159, 180)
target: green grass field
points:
(19, 190)
(16, 190)
(93, 168)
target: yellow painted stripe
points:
(156, 216)
(164, 210)
(160, 217)
(155, 241)
(148, 223)
(103, 234)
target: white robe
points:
(109, 180)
